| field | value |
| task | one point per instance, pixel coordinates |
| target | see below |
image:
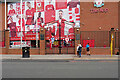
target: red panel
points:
(70, 9)
(70, 17)
(40, 5)
(77, 15)
(61, 4)
(91, 43)
(76, 10)
(2, 44)
(49, 16)
(84, 44)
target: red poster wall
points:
(49, 16)
(58, 11)
(61, 4)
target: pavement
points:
(61, 57)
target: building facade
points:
(93, 26)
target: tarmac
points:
(61, 57)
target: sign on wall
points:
(101, 10)
(98, 3)
(41, 36)
(77, 36)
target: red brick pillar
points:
(42, 41)
(77, 39)
(7, 40)
(119, 26)
(2, 15)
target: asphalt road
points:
(59, 69)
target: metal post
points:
(5, 16)
(21, 23)
(111, 44)
(119, 41)
(67, 48)
(36, 28)
(59, 38)
(119, 26)
(112, 41)
(67, 44)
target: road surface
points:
(59, 69)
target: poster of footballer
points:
(48, 14)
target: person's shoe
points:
(79, 56)
(89, 54)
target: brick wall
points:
(3, 51)
(93, 51)
(90, 22)
(93, 21)
(19, 51)
(65, 50)
(100, 38)
(99, 51)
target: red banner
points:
(61, 4)
(49, 16)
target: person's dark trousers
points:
(79, 53)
